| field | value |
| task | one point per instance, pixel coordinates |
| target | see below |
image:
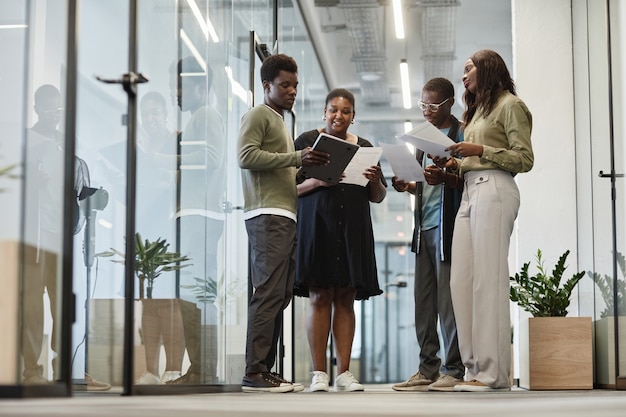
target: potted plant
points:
(555, 350)
(605, 325)
(151, 260)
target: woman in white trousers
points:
(497, 146)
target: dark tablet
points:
(341, 152)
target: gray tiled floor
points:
(377, 400)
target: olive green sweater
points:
(268, 162)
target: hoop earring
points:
(324, 117)
(352, 121)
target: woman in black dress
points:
(335, 256)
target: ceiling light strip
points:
(406, 88)
(398, 18)
(13, 26)
(205, 25)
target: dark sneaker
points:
(297, 387)
(264, 382)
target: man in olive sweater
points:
(268, 161)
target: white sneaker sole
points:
(473, 388)
(350, 388)
(414, 388)
(319, 388)
(286, 388)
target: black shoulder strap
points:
(454, 129)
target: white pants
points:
(479, 277)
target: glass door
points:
(187, 291)
(36, 156)
(601, 97)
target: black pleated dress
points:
(335, 240)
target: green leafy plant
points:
(605, 285)
(215, 292)
(205, 290)
(6, 171)
(151, 260)
(542, 295)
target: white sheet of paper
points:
(403, 162)
(429, 139)
(364, 158)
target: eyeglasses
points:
(431, 107)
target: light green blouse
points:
(505, 136)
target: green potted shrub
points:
(542, 294)
(555, 350)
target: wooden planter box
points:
(556, 353)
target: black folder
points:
(341, 153)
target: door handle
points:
(601, 174)
(128, 81)
(228, 207)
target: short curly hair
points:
(274, 64)
(441, 85)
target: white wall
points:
(543, 72)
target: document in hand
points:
(341, 153)
(429, 139)
(403, 162)
(366, 156)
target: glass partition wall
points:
(189, 262)
(40, 213)
(600, 94)
(190, 290)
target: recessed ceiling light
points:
(370, 76)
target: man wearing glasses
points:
(436, 205)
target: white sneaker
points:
(347, 382)
(170, 376)
(320, 381)
(148, 378)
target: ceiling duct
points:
(438, 37)
(364, 25)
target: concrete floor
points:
(377, 400)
